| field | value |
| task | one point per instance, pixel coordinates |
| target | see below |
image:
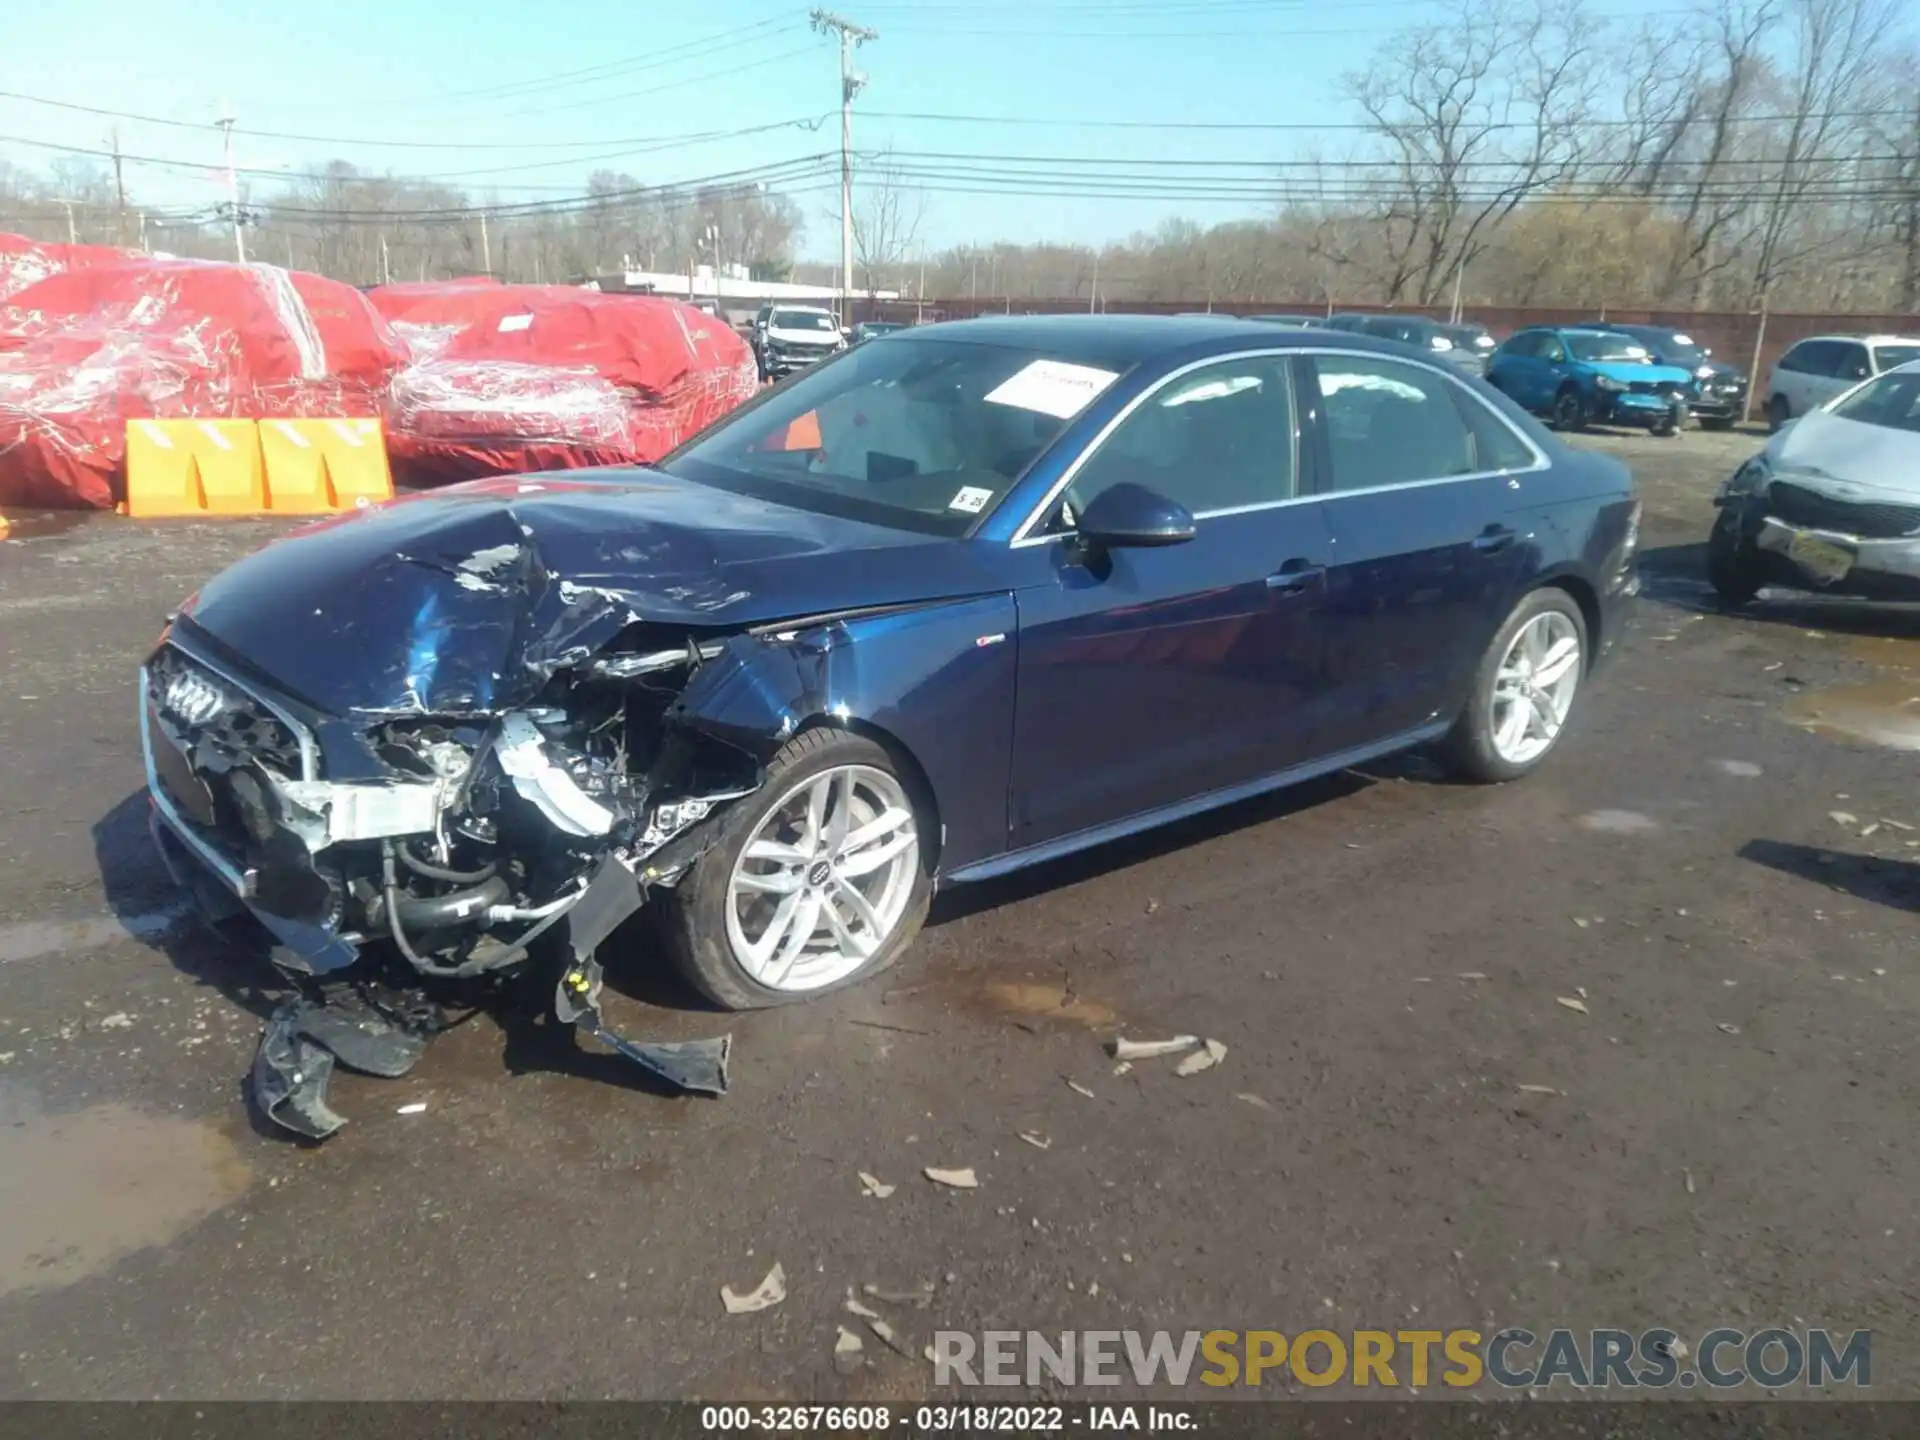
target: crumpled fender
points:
(937, 680)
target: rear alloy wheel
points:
(1778, 412)
(816, 882)
(1524, 690)
(1569, 411)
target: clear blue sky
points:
(474, 87)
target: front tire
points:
(818, 881)
(1569, 411)
(1778, 412)
(1731, 573)
(1523, 691)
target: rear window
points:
(1889, 356)
(917, 434)
(1891, 402)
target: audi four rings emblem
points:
(194, 699)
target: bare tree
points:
(886, 223)
(1475, 115)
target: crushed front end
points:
(400, 859)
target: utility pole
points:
(1093, 299)
(143, 234)
(226, 123)
(73, 235)
(120, 193)
(386, 266)
(486, 246)
(850, 86)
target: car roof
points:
(1865, 339)
(1128, 340)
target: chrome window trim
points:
(309, 751)
(1024, 538)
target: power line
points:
(210, 127)
(1350, 126)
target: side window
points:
(1852, 362)
(1389, 423)
(1217, 438)
(1814, 357)
(1495, 446)
(1551, 349)
(1526, 344)
(1795, 360)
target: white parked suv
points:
(1819, 369)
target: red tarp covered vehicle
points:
(25, 262)
(85, 351)
(517, 378)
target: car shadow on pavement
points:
(230, 958)
(1676, 575)
(965, 900)
(1894, 883)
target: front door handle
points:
(1493, 539)
(1296, 576)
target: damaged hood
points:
(465, 600)
(1821, 446)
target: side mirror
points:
(1128, 516)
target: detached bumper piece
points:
(294, 1063)
(613, 896)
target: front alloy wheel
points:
(818, 881)
(1569, 411)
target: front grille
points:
(222, 725)
(1653, 387)
(1797, 505)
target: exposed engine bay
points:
(404, 862)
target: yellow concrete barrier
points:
(255, 467)
(194, 467)
(318, 466)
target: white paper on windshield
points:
(1683, 339)
(1053, 387)
(971, 499)
(510, 323)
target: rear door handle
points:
(1493, 539)
(1295, 576)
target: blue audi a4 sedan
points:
(963, 599)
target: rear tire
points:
(1476, 748)
(1716, 422)
(1730, 571)
(710, 914)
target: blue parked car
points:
(1576, 376)
(958, 601)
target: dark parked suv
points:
(1720, 396)
(1439, 341)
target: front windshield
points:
(917, 434)
(1892, 355)
(1891, 402)
(1607, 348)
(802, 320)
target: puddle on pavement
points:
(1886, 651)
(1045, 1001)
(82, 1190)
(1883, 712)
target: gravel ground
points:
(1723, 1143)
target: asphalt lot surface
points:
(1729, 1144)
